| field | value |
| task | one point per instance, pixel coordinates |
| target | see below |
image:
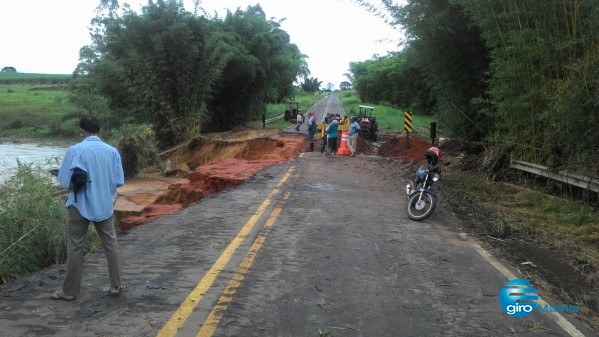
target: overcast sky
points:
(44, 36)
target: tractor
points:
(368, 124)
(292, 111)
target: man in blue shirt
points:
(91, 201)
(354, 130)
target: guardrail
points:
(273, 119)
(578, 180)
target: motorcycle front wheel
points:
(423, 208)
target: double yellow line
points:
(193, 299)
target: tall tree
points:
(183, 73)
(453, 58)
(263, 69)
(521, 72)
(153, 67)
(545, 54)
(394, 79)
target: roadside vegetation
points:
(552, 240)
(32, 223)
(36, 106)
(516, 74)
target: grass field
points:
(15, 78)
(34, 106)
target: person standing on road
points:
(299, 119)
(312, 128)
(354, 129)
(91, 170)
(332, 131)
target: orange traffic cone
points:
(343, 149)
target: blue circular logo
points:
(517, 298)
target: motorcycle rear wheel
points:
(420, 210)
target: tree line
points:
(521, 73)
(184, 73)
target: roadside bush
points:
(17, 124)
(136, 144)
(62, 131)
(32, 223)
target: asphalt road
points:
(313, 247)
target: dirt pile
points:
(399, 147)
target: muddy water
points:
(46, 156)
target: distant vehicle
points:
(368, 124)
(292, 110)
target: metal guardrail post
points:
(578, 180)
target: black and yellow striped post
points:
(407, 125)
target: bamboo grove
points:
(181, 72)
(521, 73)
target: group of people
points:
(332, 133)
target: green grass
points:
(547, 218)
(12, 78)
(389, 119)
(274, 110)
(35, 106)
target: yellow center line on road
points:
(225, 299)
(324, 113)
(193, 299)
(326, 108)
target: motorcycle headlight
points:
(408, 189)
(436, 176)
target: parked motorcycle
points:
(422, 200)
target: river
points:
(46, 156)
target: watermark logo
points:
(518, 298)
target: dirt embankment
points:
(204, 166)
(210, 164)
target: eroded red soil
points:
(211, 164)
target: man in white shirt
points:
(299, 120)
